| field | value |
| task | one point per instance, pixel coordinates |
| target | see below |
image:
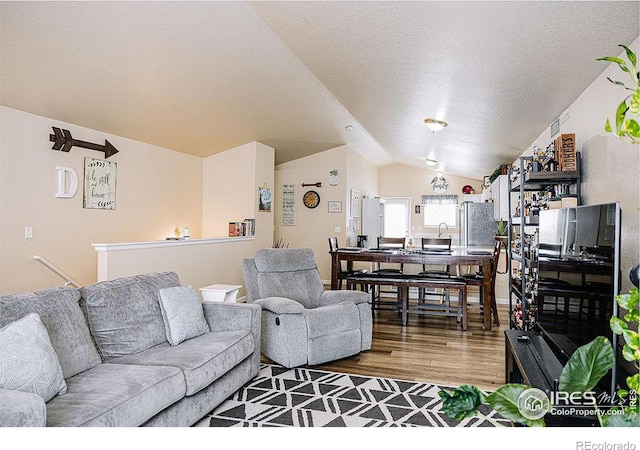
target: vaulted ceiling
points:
(203, 77)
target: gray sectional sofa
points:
(110, 339)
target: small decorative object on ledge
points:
(62, 140)
(245, 228)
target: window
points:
(440, 208)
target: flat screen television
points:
(579, 276)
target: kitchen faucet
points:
(439, 225)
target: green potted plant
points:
(501, 232)
(627, 127)
(585, 368)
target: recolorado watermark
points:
(590, 445)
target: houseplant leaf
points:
(618, 61)
(634, 104)
(620, 113)
(628, 419)
(505, 401)
(587, 365)
(462, 402)
(632, 128)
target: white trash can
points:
(220, 292)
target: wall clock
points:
(311, 199)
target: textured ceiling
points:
(203, 77)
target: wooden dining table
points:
(476, 256)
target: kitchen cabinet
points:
(500, 195)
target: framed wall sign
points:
(288, 204)
(335, 207)
(99, 184)
(264, 198)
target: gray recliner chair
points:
(303, 324)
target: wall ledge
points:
(167, 243)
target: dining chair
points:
(390, 243)
(342, 272)
(476, 279)
(435, 244)
(388, 270)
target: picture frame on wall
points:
(99, 184)
(334, 206)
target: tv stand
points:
(530, 360)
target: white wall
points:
(230, 189)
(314, 226)
(157, 190)
(362, 176)
(230, 181)
(610, 167)
(399, 180)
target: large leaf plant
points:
(581, 374)
(628, 112)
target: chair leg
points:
(463, 300)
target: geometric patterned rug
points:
(300, 397)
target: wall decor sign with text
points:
(99, 184)
(288, 205)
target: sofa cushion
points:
(289, 273)
(202, 359)
(61, 315)
(182, 313)
(275, 260)
(116, 395)
(28, 362)
(332, 319)
(124, 314)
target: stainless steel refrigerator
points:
(477, 225)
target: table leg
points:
(335, 261)
(488, 293)
(404, 301)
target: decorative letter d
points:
(63, 191)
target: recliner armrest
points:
(280, 305)
(338, 296)
(21, 409)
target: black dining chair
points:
(477, 278)
(435, 244)
(387, 270)
(342, 272)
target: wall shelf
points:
(522, 287)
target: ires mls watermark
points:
(534, 404)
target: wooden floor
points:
(432, 349)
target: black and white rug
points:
(280, 397)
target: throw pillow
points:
(182, 314)
(28, 362)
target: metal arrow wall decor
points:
(62, 140)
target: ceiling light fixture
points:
(435, 125)
(431, 162)
(348, 128)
